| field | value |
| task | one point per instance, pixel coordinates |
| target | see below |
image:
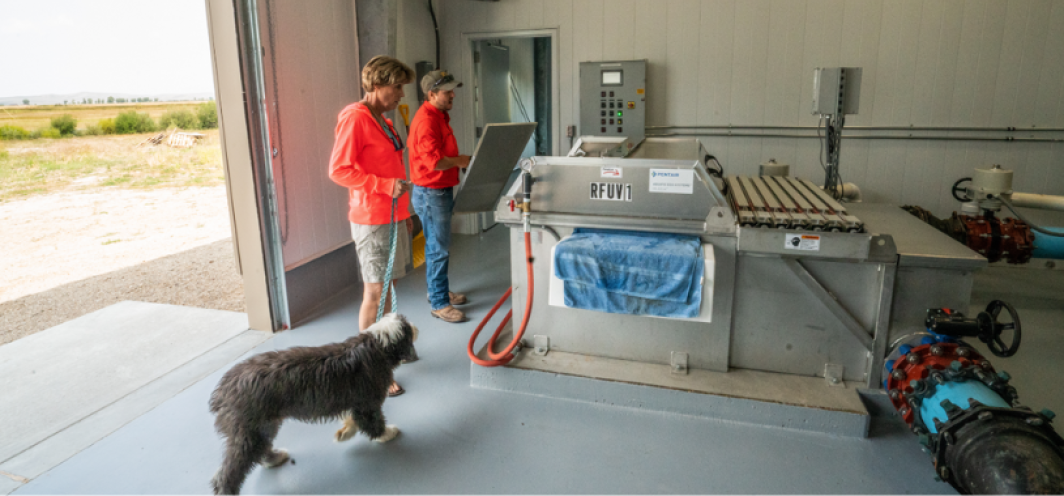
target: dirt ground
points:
(70, 253)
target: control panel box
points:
(836, 90)
(613, 99)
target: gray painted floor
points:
(461, 440)
(74, 384)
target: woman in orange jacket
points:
(367, 159)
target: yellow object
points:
(418, 249)
(404, 110)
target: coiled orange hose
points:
(505, 356)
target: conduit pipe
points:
(1042, 202)
(1007, 129)
(861, 136)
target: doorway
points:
(514, 78)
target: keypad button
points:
(603, 129)
(603, 121)
(604, 94)
(611, 121)
(620, 121)
(619, 130)
(611, 94)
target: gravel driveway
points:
(71, 253)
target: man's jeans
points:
(434, 206)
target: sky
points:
(117, 46)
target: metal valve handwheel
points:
(956, 189)
(992, 329)
(984, 326)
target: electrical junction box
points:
(613, 99)
(836, 90)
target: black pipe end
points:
(1005, 455)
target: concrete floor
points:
(457, 439)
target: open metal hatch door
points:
(494, 160)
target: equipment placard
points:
(804, 242)
(672, 181)
(612, 172)
(611, 191)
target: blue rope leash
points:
(392, 242)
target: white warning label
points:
(804, 242)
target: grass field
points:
(41, 166)
(33, 117)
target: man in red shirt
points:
(434, 165)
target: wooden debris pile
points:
(176, 139)
(184, 140)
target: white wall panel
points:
(967, 62)
(989, 43)
(529, 15)
(907, 39)
(682, 61)
(1049, 110)
(1033, 51)
(1010, 61)
(716, 40)
(946, 71)
(955, 63)
(619, 29)
(1055, 180)
(928, 62)
(651, 44)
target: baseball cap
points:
(439, 81)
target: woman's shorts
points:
(371, 243)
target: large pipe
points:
(1048, 246)
(1005, 455)
(1042, 202)
(966, 416)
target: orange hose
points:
(505, 356)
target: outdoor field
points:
(72, 163)
(33, 117)
(91, 220)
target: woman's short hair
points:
(384, 71)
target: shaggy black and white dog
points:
(348, 380)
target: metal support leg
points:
(882, 330)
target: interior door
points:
(491, 67)
(493, 84)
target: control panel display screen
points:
(612, 78)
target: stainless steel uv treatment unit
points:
(806, 288)
(787, 294)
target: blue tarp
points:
(631, 272)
